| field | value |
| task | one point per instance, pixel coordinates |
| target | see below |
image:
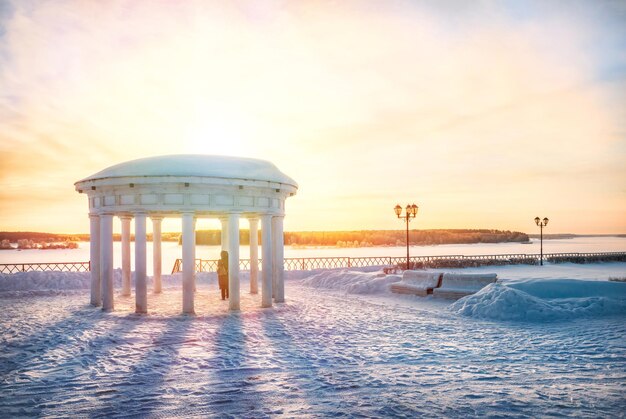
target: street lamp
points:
(541, 224)
(411, 212)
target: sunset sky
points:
(485, 114)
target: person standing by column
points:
(222, 273)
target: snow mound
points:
(41, 283)
(541, 300)
(569, 288)
(53, 281)
(352, 282)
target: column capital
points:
(140, 213)
(156, 217)
(94, 215)
(125, 216)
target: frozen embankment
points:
(523, 298)
(536, 300)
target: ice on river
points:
(341, 344)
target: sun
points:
(215, 130)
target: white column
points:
(195, 222)
(273, 260)
(94, 259)
(224, 237)
(266, 249)
(189, 264)
(156, 253)
(279, 267)
(125, 254)
(233, 261)
(254, 255)
(106, 260)
(141, 288)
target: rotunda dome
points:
(196, 165)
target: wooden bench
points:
(455, 285)
(417, 283)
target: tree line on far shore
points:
(36, 237)
(370, 238)
(363, 238)
(398, 237)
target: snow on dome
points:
(196, 165)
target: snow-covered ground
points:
(342, 344)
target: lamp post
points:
(411, 212)
(541, 223)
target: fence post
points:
(349, 264)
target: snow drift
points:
(535, 300)
(49, 281)
(544, 300)
(352, 282)
(42, 282)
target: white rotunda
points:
(187, 187)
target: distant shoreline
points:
(347, 239)
(573, 236)
(362, 238)
(32, 235)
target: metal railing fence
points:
(11, 268)
(306, 264)
(418, 262)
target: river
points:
(171, 251)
